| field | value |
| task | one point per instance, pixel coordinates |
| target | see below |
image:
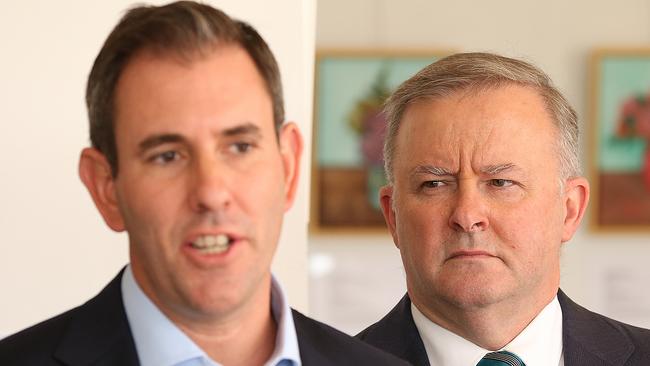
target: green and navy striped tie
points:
(501, 358)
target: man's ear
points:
(386, 201)
(291, 146)
(576, 199)
(95, 173)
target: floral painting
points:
(349, 131)
(622, 129)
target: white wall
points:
(55, 251)
(557, 36)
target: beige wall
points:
(557, 36)
(55, 251)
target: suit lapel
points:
(308, 342)
(589, 339)
(99, 332)
(396, 333)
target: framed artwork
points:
(349, 127)
(621, 138)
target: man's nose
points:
(210, 188)
(469, 211)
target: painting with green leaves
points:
(349, 128)
(621, 125)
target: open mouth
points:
(212, 244)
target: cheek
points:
(147, 206)
(262, 194)
(425, 217)
(421, 229)
(531, 232)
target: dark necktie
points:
(501, 358)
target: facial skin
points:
(478, 212)
(197, 155)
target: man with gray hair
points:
(192, 158)
(484, 187)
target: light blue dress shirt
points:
(159, 342)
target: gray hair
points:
(483, 71)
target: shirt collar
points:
(539, 344)
(286, 339)
(159, 341)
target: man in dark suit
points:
(191, 157)
(484, 187)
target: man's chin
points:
(473, 294)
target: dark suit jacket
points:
(589, 339)
(98, 333)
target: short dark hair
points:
(185, 29)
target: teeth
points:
(222, 240)
(211, 244)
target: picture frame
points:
(620, 144)
(347, 159)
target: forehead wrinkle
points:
(498, 168)
(430, 170)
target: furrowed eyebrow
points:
(157, 140)
(498, 168)
(430, 169)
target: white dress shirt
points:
(539, 344)
(159, 342)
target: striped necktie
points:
(501, 358)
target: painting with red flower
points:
(349, 129)
(621, 125)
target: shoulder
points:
(385, 326)
(397, 334)
(321, 344)
(37, 344)
(639, 336)
(586, 331)
(81, 335)
(398, 322)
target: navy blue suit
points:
(97, 333)
(589, 339)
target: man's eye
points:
(165, 157)
(501, 182)
(241, 147)
(433, 184)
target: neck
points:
(491, 327)
(247, 342)
(246, 336)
